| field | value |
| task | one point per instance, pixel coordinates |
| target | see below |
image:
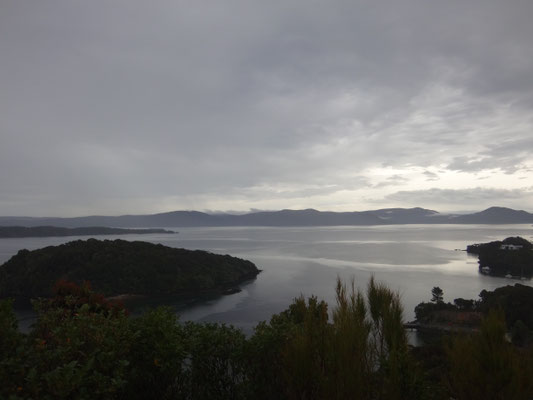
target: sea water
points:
(410, 259)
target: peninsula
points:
(511, 257)
(47, 231)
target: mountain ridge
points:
(285, 217)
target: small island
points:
(510, 258)
(119, 267)
(49, 231)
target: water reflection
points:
(409, 258)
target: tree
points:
(437, 295)
(362, 353)
(462, 304)
(82, 346)
(485, 366)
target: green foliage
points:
(431, 313)
(437, 295)
(438, 312)
(9, 335)
(519, 241)
(75, 350)
(520, 334)
(503, 261)
(361, 354)
(122, 267)
(465, 305)
(305, 354)
(215, 366)
(352, 363)
(11, 344)
(486, 366)
(156, 356)
(398, 377)
(515, 301)
(84, 347)
(266, 349)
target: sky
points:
(132, 107)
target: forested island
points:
(117, 267)
(511, 257)
(47, 231)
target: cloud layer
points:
(131, 107)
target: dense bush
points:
(486, 366)
(502, 261)
(84, 347)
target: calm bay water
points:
(411, 259)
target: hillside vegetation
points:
(85, 347)
(513, 256)
(121, 267)
(515, 302)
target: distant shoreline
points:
(54, 231)
(289, 218)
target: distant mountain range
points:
(309, 217)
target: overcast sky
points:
(129, 106)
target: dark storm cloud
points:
(129, 106)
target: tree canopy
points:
(121, 267)
(437, 295)
(83, 346)
(513, 256)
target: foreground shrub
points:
(486, 366)
(83, 347)
(361, 354)
(78, 348)
(156, 356)
(215, 363)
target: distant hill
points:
(495, 215)
(309, 217)
(46, 231)
(410, 216)
(122, 267)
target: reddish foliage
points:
(71, 296)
